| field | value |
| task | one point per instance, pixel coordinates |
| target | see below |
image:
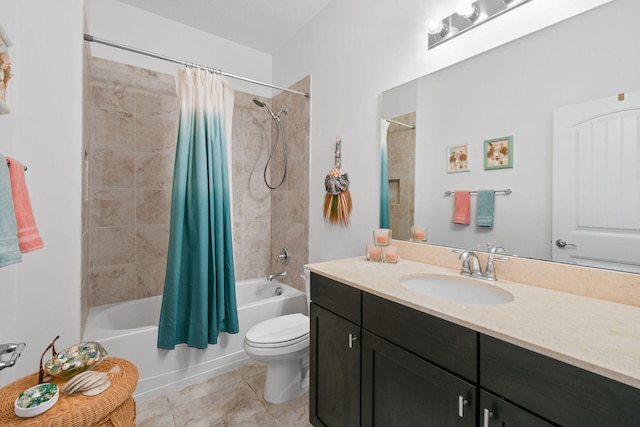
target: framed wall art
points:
(5, 70)
(498, 153)
(458, 158)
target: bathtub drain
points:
(278, 290)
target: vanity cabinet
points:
(378, 362)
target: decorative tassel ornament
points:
(337, 201)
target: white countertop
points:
(593, 334)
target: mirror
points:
(510, 91)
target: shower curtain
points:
(384, 175)
(199, 298)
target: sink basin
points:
(459, 289)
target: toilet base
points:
(286, 380)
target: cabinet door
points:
(401, 389)
(335, 370)
(496, 412)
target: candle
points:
(418, 234)
(391, 254)
(382, 236)
(374, 253)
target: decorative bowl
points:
(36, 400)
(75, 359)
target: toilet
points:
(282, 343)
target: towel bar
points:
(451, 193)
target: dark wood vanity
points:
(376, 362)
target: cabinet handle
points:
(352, 338)
(485, 419)
(461, 402)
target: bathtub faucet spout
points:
(272, 276)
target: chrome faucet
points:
(471, 264)
(273, 276)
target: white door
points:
(596, 183)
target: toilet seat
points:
(281, 331)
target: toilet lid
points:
(279, 331)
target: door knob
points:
(561, 243)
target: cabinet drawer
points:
(559, 392)
(443, 343)
(337, 297)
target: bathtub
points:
(130, 330)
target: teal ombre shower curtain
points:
(384, 175)
(199, 298)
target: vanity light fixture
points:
(468, 14)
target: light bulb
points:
(436, 26)
(466, 9)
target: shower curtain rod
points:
(90, 38)
(400, 123)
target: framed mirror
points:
(510, 91)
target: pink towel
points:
(28, 236)
(462, 207)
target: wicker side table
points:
(113, 407)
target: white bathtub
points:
(130, 330)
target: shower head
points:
(261, 103)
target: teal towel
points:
(484, 212)
(9, 248)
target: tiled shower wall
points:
(401, 144)
(290, 203)
(133, 135)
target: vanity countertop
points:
(596, 335)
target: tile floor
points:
(231, 399)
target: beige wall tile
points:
(150, 278)
(156, 135)
(112, 168)
(112, 129)
(112, 207)
(152, 242)
(112, 86)
(154, 170)
(257, 205)
(155, 95)
(257, 234)
(152, 207)
(111, 284)
(112, 245)
(297, 206)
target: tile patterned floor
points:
(232, 399)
